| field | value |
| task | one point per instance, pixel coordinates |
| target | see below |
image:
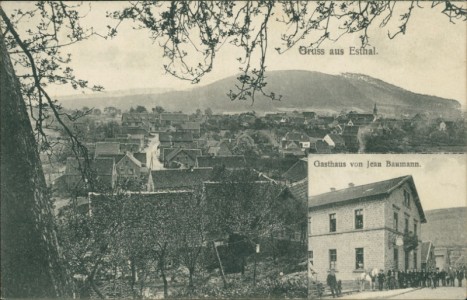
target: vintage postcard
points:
(187, 149)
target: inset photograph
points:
(387, 226)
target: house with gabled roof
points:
(294, 199)
(129, 167)
(167, 119)
(101, 168)
(297, 172)
(364, 227)
(321, 147)
(193, 127)
(220, 149)
(428, 256)
(301, 139)
(292, 149)
(176, 139)
(142, 157)
(127, 130)
(334, 140)
(181, 158)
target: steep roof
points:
(141, 156)
(336, 138)
(107, 148)
(101, 165)
(426, 248)
(104, 165)
(366, 192)
(176, 137)
(221, 149)
(193, 153)
(174, 117)
(170, 179)
(133, 159)
(229, 162)
(117, 157)
(300, 191)
(138, 117)
(134, 130)
(298, 171)
(191, 125)
(322, 147)
(296, 136)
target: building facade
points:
(364, 227)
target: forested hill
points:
(446, 227)
(299, 89)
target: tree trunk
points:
(164, 279)
(133, 277)
(190, 279)
(31, 259)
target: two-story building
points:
(364, 227)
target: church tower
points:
(375, 110)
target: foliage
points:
(139, 109)
(265, 288)
(158, 109)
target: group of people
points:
(412, 278)
(392, 279)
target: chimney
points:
(351, 184)
(333, 189)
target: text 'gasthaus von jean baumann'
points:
(367, 164)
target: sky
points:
(429, 59)
(440, 181)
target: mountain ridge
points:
(305, 90)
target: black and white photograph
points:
(165, 149)
(387, 226)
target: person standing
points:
(460, 276)
(332, 282)
(381, 277)
(390, 280)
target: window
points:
(332, 222)
(406, 228)
(310, 256)
(406, 198)
(359, 259)
(358, 218)
(309, 226)
(396, 222)
(415, 227)
(396, 258)
(332, 259)
(415, 259)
